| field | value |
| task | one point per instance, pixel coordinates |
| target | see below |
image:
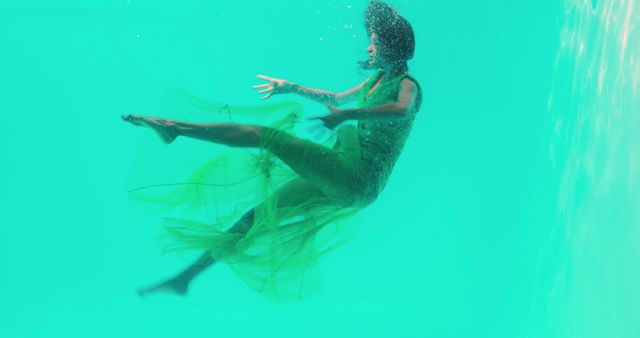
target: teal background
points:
(511, 213)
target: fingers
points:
(331, 108)
(268, 87)
(318, 119)
(322, 123)
(264, 77)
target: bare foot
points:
(175, 286)
(161, 126)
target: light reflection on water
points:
(589, 271)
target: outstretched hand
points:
(335, 117)
(273, 87)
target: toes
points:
(133, 119)
(130, 118)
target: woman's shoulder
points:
(412, 85)
(409, 77)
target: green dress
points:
(382, 141)
(300, 193)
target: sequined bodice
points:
(382, 140)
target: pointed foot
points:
(172, 286)
(162, 127)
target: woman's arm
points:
(279, 86)
(327, 97)
(406, 105)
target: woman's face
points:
(375, 60)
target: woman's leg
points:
(231, 134)
(179, 284)
(314, 162)
(298, 192)
(321, 169)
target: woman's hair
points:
(395, 34)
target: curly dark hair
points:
(395, 34)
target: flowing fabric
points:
(298, 193)
(294, 220)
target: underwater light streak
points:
(587, 273)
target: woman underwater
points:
(331, 181)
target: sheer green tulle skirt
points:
(299, 197)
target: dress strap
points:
(407, 76)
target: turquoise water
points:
(511, 213)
